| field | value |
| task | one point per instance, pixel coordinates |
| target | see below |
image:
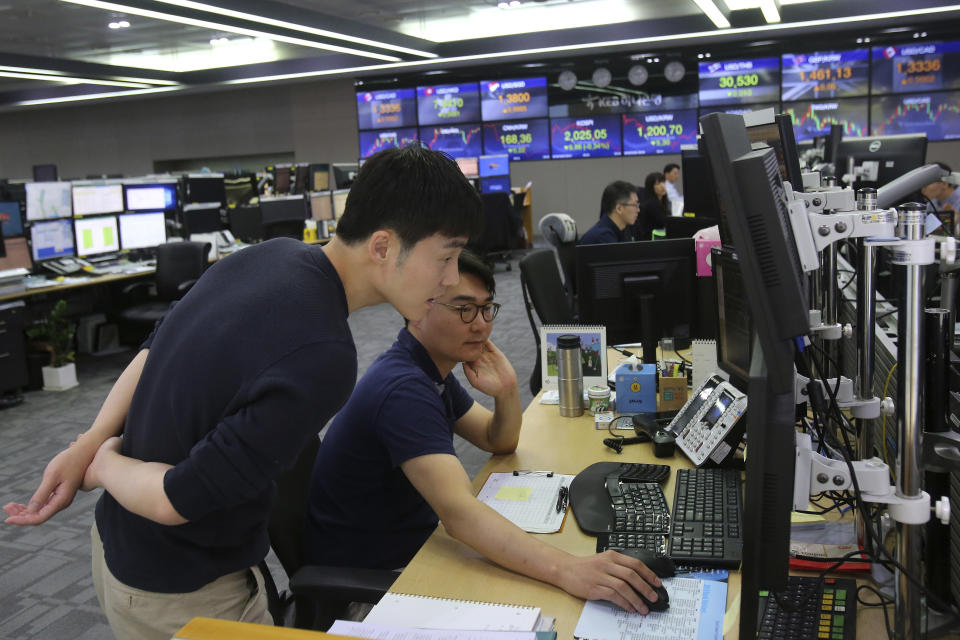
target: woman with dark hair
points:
(654, 206)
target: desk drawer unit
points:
(13, 350)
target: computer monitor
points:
(734, 328)
(51, 239)
(246, 223)
(17, 254)
(283, 209)
(10, 220)
(96, 235)
(321, 206)
(142, 230)
(779, 135)
(343, 174)
(319, 177)
(97, 199)
(45, 173)
(202, 218)
(160, 196)
(832, 142)
(699, 193)
(888, 156)
(301, 178)
(240, 190)
(495, 165)
(470, 166)
(752, 198)
(203, 188)
(638, 290)
(281, 180)
(686, 226)
(47, 200)
(499, 184)
(340, 202)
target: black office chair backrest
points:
(289, 515)
(567, 253)
(541, 280)
(283, 229)
(178, 262)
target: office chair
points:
(544, 293)
(317, 595)
(502, 230)
(560, 230)
(179, 266)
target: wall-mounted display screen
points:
(521, 140)
(909, 68)
(459, 141)
(48, 200)
(656, 133)
(585, 137)
(448, 103)
(825, 74)
(811, 119)
(513, 99)
(494, 165)
(373, 141)
(935, 114)
(740, 81)
(386, 109)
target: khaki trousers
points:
(135, 614)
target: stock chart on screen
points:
(811, 119)
(935, 114)
(460, 141)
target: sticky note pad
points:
(520, 494)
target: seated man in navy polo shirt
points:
(387, 471)
(618, 211)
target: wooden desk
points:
(56, 287)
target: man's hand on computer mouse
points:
(491, 373)
(613, 577)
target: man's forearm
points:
(503, 432)
(110, 419)
(138, 487)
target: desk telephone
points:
(711, 423)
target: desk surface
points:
(87, 281)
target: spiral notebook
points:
(425, 612)
(593, 353)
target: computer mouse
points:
(663, 599)
(664, 444)
(660, 565)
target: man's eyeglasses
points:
(469, 311)
(629, 204)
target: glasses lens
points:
(490, 311)
(468, 312)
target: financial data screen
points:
(47, 200)
(520, 139)
(374, 141)
(448, 103)
(825, 74)
(657, 133)
(740, 81)
(811, 119)
(460, 141)
(513, 99)
(908, 68)
(592, 137)
(935, 114)
(94, 199)
(386, 109)
(51, 239)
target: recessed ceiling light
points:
(119, 24)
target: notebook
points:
(403, 610)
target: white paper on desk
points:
(527, 500)
(388, 632)
(696, 611)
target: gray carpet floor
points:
(45, 585)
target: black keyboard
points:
(638, 507)
(707, 518)
(640, 472)
(619, 540)
(819, 608)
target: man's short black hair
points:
(613, 194)
(470, 264)
(413, 191)
(670, 167)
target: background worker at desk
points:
(387, 468)
(653, 208)
(618, 212)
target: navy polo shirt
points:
(363, 512)
(604, 232)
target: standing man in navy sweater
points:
(249, 365)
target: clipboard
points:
(528, 499)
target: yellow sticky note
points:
(520, 494)
(805, 518)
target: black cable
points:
(884, 602)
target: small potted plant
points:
(55, 334)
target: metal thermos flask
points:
(570, 376)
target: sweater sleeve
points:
(238, 459)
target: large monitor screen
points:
(374, 141)
(386, 109)
(96, 199)
(47, 200)
(448, 103)
(494, 165)
(458, 140)
(909, 68)
(10, 219)
(656, 133)
(204, 188)
(151, 197)
(17, 254)
(513, 99)
(321, 206)
(470, 166)
(825, 74)
(340, 202)
(740, 81)
(142, 230)
(96, 235)
(811, 119)
(936, 115)
(283, 208)
(499, 184)
(522, 139)
(592, 137)
(51, 239)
